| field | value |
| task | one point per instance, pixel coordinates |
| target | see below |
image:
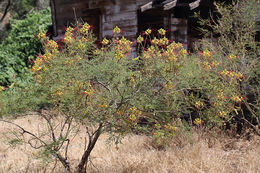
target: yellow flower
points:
(140, 39)
(172, 57)
(132, 80)
(206, 65)
(232, 56)
(155, 41)
(58, 93)
(68, 39)
(179, 45)
(52, 44)
(132, 118)
(103, 106)
(88, 92)
(206, 53)
(85, 28)
(41, 35)
(2, 88)
(237, 99)
(105, 41)
(148, 31)
(183, 52)
(197, 121)
(69, 29)
(199, 104)
(47, 56)
(119, 55)
(224, 72)
(116, 30)
(161, 31)
(222, 114)
(163, 41)
(36, 68)
(170, 127)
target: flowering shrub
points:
(111, 90)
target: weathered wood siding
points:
(121, 13)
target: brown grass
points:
(199, 154)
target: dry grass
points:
(137, 154)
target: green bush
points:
(107, 90)
(21, 46)
(238, 54)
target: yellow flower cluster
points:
(206, 53)
(58, 93)
(232, 57)
(116, 30)
(103, 106)
(140, 39)
(232, 74)
(210, 65)
(134, 113)
(85, 29)
(170, 127)
(174, 50)
(163, 41)
(162, 31)
(197, 121)
(41, 35)
(47, 56)
(150, 51)
(199, 104)
(148, 32)
(237, 99)
(123, 47)
(52, 44)
(222, 114)
(105, 42)
(37, 64)
(68, 35)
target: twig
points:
(25, 131)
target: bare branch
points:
(25, 131)
(6, 11)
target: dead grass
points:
(199, 154)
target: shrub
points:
(107, 90)
(238, 54)
(21, 46)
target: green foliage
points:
(21, 46)
(238, 52)
(107, 89)
(22, 7)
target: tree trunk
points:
(91, 144)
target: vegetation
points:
(106, 90)
(19, 49)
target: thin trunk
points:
(86, 154)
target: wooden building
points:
(132, 16)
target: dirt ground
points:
(199, 154)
